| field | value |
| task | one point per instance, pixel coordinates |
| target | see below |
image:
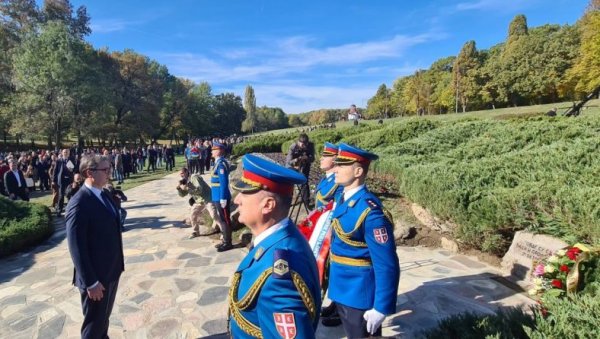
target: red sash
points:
(316, 229)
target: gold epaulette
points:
(251, 296)
(346, 237)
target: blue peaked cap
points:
(262, 174)
(348, 154)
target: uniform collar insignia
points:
(351, 203)
(259, 252)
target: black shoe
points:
(224, 247)
(329, 311)
(331, 321)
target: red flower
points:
(572, 253)
(564, 268)
(556, 283)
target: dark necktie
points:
(107, 202)
(342, 199)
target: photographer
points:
(75, 186)
(200, 199)
(300, 157)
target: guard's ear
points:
(358, 170)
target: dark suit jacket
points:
(62, 175)
(94, 238)
(11, 184)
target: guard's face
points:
(248, 206)
(326, 163)
(252, 207)
(346, 174)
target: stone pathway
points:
(173, 287)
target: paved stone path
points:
(173, 287)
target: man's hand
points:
(223, 203)
(374, 320)
(96, 293)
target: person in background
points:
(75, 186)
(63, 177)
(14, 182)
(118, 197)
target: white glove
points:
(223, 203)
(374, 320)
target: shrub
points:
(504, 324)
(22, 224)
(491, 177)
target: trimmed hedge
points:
(491, 177)
(22, 224)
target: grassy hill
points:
(490, 172)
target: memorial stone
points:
(527, 248)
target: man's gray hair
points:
(91, 162)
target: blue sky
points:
(306, 55)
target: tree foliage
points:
(251, 121)
(544, 64)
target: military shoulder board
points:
(373, 204)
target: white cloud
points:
(111, 25)
(505, 5)
(285, 56)
(302, 98)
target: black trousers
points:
(61, 196)
(97, 313)
(353, 322)
(225, 216)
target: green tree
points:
(251, 121)
(379, 106)
(62, 10)
(270, 118)
(228, 114)
(294, 120)
(139, 90)
(465, 71)
(584, 76)
(48, 68)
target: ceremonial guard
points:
(221, 196)
(327, 189)
(275, 291)
(364, 271)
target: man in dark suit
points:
(63, 177)
(14, 182)
(96, 247)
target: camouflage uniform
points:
(200, 191)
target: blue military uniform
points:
(275, 291)
(327, 189)
(219, 180)
(364, 271)
(221, 197)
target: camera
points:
(183, 181)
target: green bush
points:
(575, 316)
(22, 224)
(491, 177)
(504, 324)
(261, 144)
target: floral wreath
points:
(562, 272)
